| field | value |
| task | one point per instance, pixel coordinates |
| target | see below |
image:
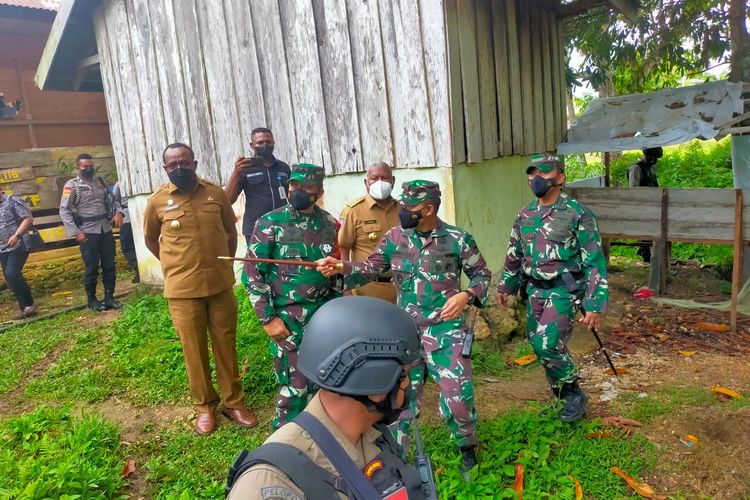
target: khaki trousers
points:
(217, 314)
(385, 291)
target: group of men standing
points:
(397, 251)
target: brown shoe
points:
(205, 423)
(241, 416)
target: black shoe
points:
(469, 461)
(109, 300)
(575, 402)
(93, 302)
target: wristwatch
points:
(470, 294)
(267, 320)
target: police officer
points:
(88, 212)
(188, 223)
(285, 297)
(643, 174)
(555, 254)
(427, 257)
(127, 245)
(365, 221)
(361, 390)
(263, 178)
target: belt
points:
(93, 218)
(568, 280)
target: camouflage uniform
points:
(555, 251)
(427, 272)
(292, 293)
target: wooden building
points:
(46, 119)
(457, 91)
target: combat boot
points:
(468, 460)
(575, 402)
(93, 302)
(109, 300)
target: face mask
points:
(380, 190)
(389, 407)
(87, 172)
(540, 186)
(409, 219)
(301, 199)
(265, 151)
(184, 179)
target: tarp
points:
(668, 116)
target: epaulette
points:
(160, 188)
(353, 203)
(210, 182)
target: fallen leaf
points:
(642, 489)
(676, 105)
(579, 490)
(620, 422)
(687, 353)
(620, 371)
(691, 438)
(245, 366)
(128, 469)
(525, 360)
(62, 293)
(727, 392)
(598, 435)
(440, 470)
(518, 484)
(712, 327)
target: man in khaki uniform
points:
(359, 395)
(365, 222)
(188, 223)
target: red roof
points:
(52, 5)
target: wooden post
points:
(606, 169)
(26, 104)
(738, 258)
(657, 280)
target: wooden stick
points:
(737, 264)
(281, 262)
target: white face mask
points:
(380, 190)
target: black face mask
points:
(389, 407)
(301, 199)
(87, 172)
(184, 179)
(265, 151)
(409, 219)
(540, 186)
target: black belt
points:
(381, 279)
(567, 280)
(93, 218)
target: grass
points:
(668, 400)
(51, 454)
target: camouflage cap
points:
(307, 173)
(545, 163)
(415, 192)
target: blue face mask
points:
(540, 186)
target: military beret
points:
(307, 173)
(545, 163)
(415, 192)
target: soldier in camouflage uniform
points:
(285, 297)
(427, 257)
(555, 256)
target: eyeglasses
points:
(186, 165)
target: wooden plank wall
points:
(507, 76)
(343, 83)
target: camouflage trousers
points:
(452, 374)
(293, 385)
(550, 325)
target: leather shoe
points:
(205, 423)
(241, 416)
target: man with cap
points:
(427, 257)
(188, 223)
(555, 256)
(285, 296)
(365, 221)
(643, 174)
(361, 391)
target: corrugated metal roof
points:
(53, 5)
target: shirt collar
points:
(173, 189)
(316, 409)
(371, 202)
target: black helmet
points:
(358, 346)
(656, 152)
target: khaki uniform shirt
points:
(265, 481)
(193, 230)
(364, 223)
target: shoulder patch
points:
(278, 493)
(355, 202)
(160, 188)
(372, 468)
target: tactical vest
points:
(648, 175)
(387, 472)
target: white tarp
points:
(669, 116)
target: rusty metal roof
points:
(52, 5)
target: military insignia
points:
(67, 190)
(171, 208)
(278, 493)
(170, 201)
(327, 248)
(175, 224)
(210, 198)
(372, 236)
(372, 468)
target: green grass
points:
(23, 347)
(51, 454)
(185, 465)
(665, 401)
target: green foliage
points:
(663, 401)
(186, 465)
(550, 451)
(51, 454)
